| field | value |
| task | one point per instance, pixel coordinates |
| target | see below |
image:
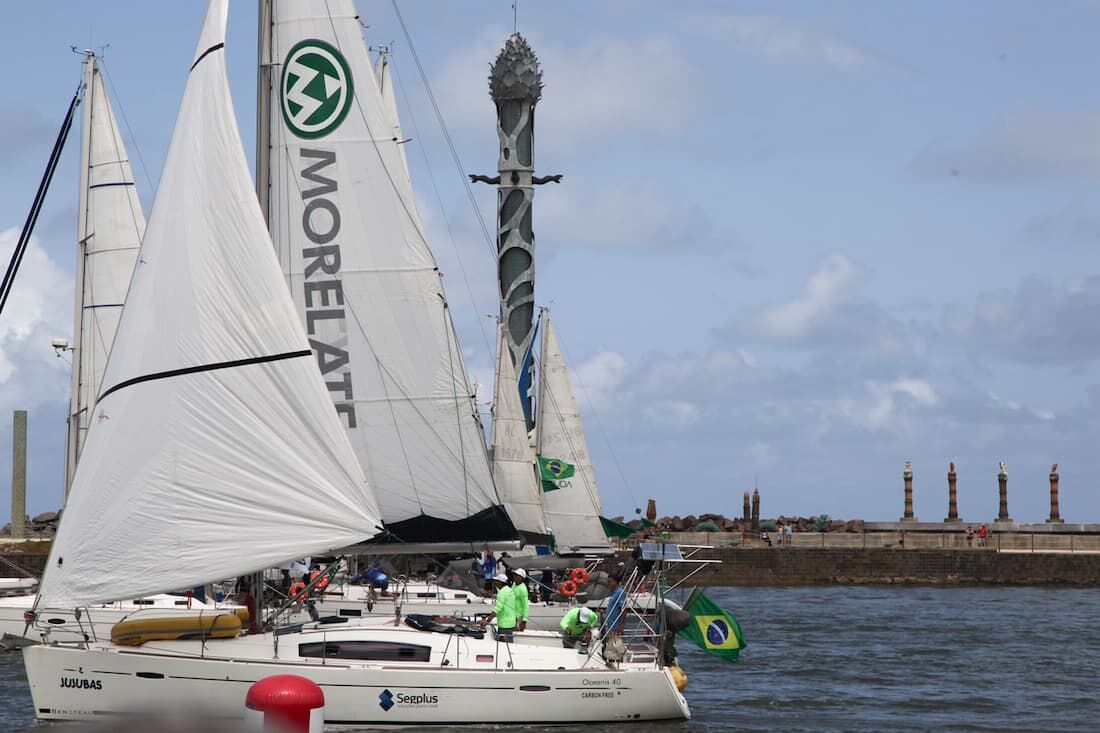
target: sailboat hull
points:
(78, 684)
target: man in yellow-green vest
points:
(505, 609)
(519, 592)
(576, 626)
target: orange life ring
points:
(322, 583)
(297, 589)
(568, 588)
(580, 576)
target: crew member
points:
(519, 591)
(505, 609)
(616, 606)
(576, 626)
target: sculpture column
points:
(1002, 485)
(651, 510)
(952, 495)
(747, 516)
(1055, 516)
(907, 475)
(756, 509)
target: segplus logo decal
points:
(387, 699)
(316, 89)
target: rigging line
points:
(458, 417)
(489, 239)
(411, 215)
(39, 197)
(442, 208)
(125, 121)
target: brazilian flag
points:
(713, 629)
(552, 470)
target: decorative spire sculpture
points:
(952, 494)
(1055, 515)
(907, 477)
(515, 85)
(1002, 486)
(755, 509)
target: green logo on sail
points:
(316, 89)
(552, 470)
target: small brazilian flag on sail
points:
(552, 470)
(713, 629)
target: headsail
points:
(214, 450)
(365, 282)
(513, 459)
(110, 224)
(573, 507)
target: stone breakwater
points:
(795, 566)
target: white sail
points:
(365, 282)
(573, 508)
(109, 230)
(383, 74)
(513, 459)
(214, 449)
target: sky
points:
(796, 243)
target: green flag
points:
(551, 470)
(713, 629)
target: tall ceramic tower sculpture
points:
(515, 85)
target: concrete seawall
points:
(791, 566)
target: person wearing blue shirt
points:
(616, 606)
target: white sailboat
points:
(215, 450)
(110, 224)
(572, 504)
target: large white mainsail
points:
(513, 459)
(110, 224)
(214, 449)
(364, 280)
(573, 507)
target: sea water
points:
(865, 659)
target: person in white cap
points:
(505, 609)
(576, 626)
(519, 592)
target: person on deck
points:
(576, 626)
(519, 591)
(546, 586)
(505, 609)
(488, 567)
(616, 606)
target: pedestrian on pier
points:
(983, 533)
(765, 538)
(969, 536)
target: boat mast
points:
(263, 108)
(77, 408)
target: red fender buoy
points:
(286, 702)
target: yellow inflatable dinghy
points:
(178, 627)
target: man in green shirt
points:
(519, 592)
(505, 609)
(577, 625)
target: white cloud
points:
(824, 288)
(596, 380)
(786, 41)
(38, 310)
(878, 407)
(1027, 144)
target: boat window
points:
(380, 651)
